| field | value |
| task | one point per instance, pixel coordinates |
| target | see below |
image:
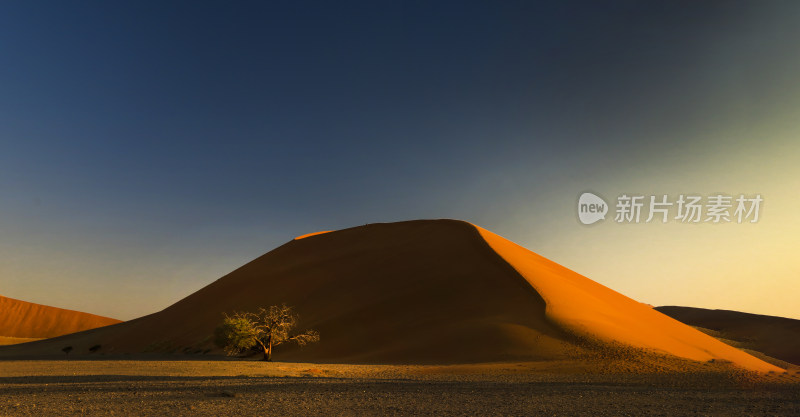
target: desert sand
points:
(22, 321)
(417, 292)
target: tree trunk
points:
(266, 349)
(268, 353)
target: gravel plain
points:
(243, 388)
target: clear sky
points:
(148, 148)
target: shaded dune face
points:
(436, 291)
(24, 320)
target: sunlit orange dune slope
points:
(427, 291)
(23, 320)
(311, 234)
(586, 308)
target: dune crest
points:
(587, 308)
(312, 234)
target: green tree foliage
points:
(260, 331)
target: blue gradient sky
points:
(146, 148)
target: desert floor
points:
(220, 388)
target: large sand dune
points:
(439, 291)
(22, 320)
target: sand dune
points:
(439, 291)
(21, 321)
(778, 337)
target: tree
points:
(260, 331)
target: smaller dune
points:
(778, 337)
(21, 321)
